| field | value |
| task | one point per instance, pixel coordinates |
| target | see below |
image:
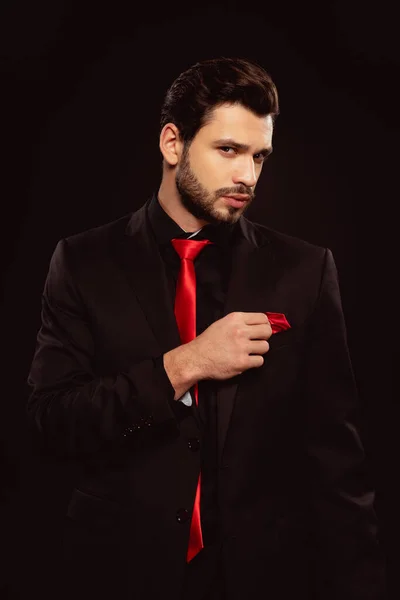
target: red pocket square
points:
(278, 321)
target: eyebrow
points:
(239, 146)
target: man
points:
(226, 462)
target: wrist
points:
(182, 368)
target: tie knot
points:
(189, 249)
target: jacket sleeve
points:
(75, 409)
(351, 564)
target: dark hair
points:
(190, 100)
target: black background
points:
(82, 87)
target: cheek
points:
(212, 172)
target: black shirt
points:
(212, 267)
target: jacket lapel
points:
(138, 254)
(252, 257)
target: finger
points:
(258, 347)
(260, 332)
(251, 318)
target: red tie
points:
(185, 314)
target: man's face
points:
(225, 158)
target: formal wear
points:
(286, 503)
(213, 267)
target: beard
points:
(199, 202)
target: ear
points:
(171, 145)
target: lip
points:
(237, 200)
(241, 197)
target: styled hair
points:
(195, 93)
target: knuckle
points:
(237, 316)
(237, 331)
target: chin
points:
(225, 215)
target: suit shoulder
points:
(99, 235)
(85, 250)
(282, 242)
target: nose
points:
(246, 173)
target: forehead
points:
(237, 122)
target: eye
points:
(225, 149)
(260, 157)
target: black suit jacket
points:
(295, 506)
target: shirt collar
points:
(165, 228)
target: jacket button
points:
(193, 444)
(182, 515)
(131, 430)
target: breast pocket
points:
(282, 339)
(282, 362)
